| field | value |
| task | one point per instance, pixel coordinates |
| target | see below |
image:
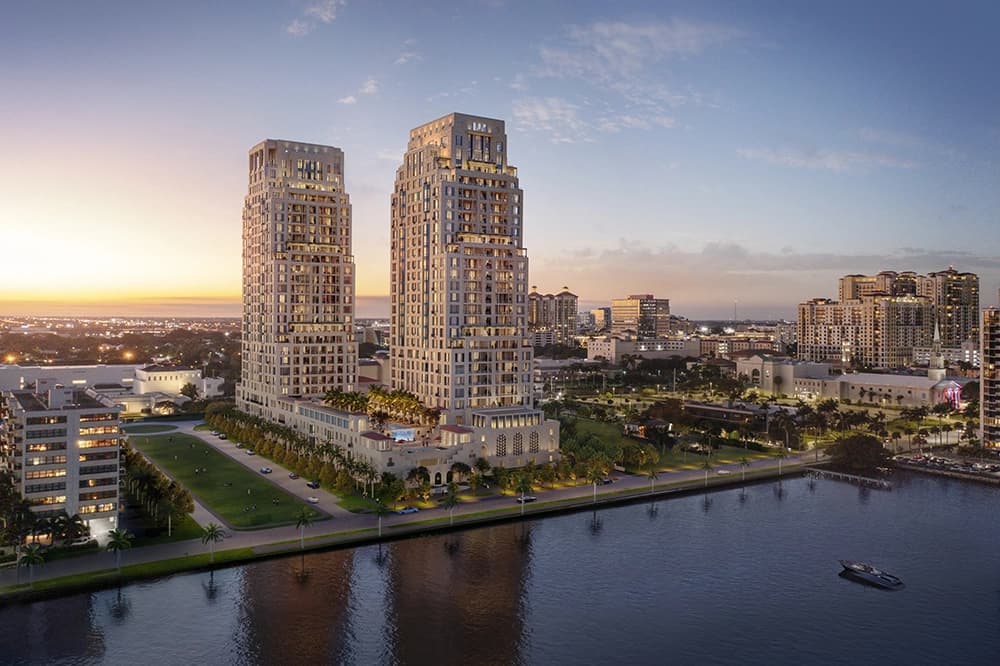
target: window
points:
(518, 444)
(533, 443)
(501, 445)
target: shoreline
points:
(106, 578)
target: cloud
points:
(828, 160)
(389, 155)
(624, 65)
(407, 56)
(350, 99)
(324, 12)
(551, 114)
(369, 87)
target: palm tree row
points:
(161, 498)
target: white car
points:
(723, 471)
(313, 500)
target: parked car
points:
(80, 541)
(313, 484)
(312, 500)
(215, 433)
(607, 481)
(266, 470)
(526, 499)
(223, 436)
(293, 475)
(251, 452)
(239, 445)
(406, 510)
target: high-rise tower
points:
(989, 379)
(298, 276)
(459, 271)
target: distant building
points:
(989, 384)
(641, 315)
(171, 379)
(602, 319)
(611, 348)
(553, 312)
(15, 377)
(62, 446)
(880, 319)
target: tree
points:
(482, 466)
(653, 474)
(189, 390)
(523, 487)
(782, 454)
(121, 539)
(858, 453)
(451, 501)
(595, 475)
(707, 466)
(380, 510)
(744, 463)
(32, 556)
(302, 521)
(212, 534)
(460, 470)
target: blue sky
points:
(705, 152)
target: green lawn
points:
(182, 530)
(182, 456)
(148, 428)
(203, 427)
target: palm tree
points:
(451, 501)
(707, 466)
(121, 539)
(523, 486)
(595, 475)
(781, 456)
(30, 557)
(380, 510)
(305, 519)
(653, 474)
(744, 463)
(211, 535)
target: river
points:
(737, 576)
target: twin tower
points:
(458, 275)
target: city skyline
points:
(710, 131)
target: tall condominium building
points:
(298, 276)
(62, 446)
(641, 315)
(954, 295)
(989, 384)
(553, 312)
(459, 271)
(875, 329)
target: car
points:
(607, 481)
(239, 445)
(215, 433)
(312, 500)
(293, 475)
(251, 452)
(313, 484)
(223, 436)
(526, 499)
(266, 470)
(80, 541)
(406, 510)
(723, 472)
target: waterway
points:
(738, 576)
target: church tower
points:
(935, 367)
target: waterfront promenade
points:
(347, 528)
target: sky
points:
(720, 154)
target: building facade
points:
(641, 315)
(62, 446)
(553, 312)
(989, 380)
(298, 334)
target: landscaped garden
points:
(149, 428)
(242, 497)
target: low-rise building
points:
(171, 379)
(611, 348)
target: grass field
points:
(671, 460)
(149, 428)
(224, 486)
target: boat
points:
(869, 574)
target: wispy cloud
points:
(551, 114)
(623, 64)
(350, 99)
(369, 87)
(828, 160)
(324, 11)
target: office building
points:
(641, 315)
(298, 336)
(602, 319)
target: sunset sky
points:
(705, 152)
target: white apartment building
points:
(555, 313)
(298, 334)
(171, 379)
(62, 444)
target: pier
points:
(865, 481)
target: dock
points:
(864, 481)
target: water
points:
(742, 579)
